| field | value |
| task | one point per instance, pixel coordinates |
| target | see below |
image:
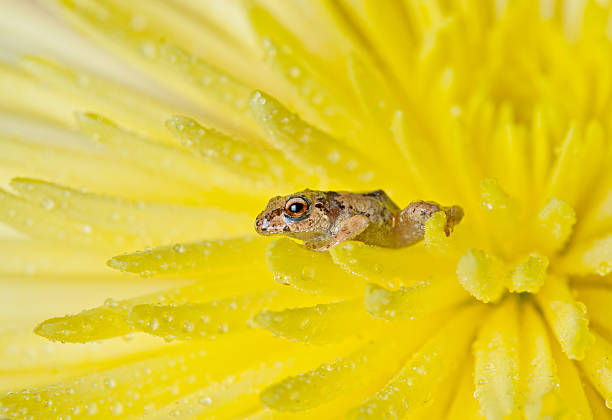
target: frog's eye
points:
(297, 208)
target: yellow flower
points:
(161, 153)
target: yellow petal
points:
(87, 91)
(571, 400)
(323, 98)
(320, 324)
(529, 275)
(566, 317)
(502, 212)
(369, 367)
(597, 403)
(248, 160)
(310, 271)
(148, 223)
(482, 275)
(420, 157)
(390, 267)
(593, 257)
(579, 157)
(496, 374)
(111, 319)
(27, 358)
(597, 299)
(23, 95)
(392, 36)
(207, 320)
(416, 301)
(176, 164)
(36, 222)
(230, 398)
(435, 235)
(154, 379)
(554, 225)
(184, 72)
(94, 169)
(597, 365)
(465, 405)
(197, 257)
(508, 147)
(538, 368)
(427, 369)
(46, 259)
(91, 325)
(540, 146)
(343, 166)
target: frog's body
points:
(325, 218)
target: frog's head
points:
(305, 215)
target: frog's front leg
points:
(350, 229)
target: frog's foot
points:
(454, 215)
(350, 229)
(410, 222)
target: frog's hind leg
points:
(410, 222)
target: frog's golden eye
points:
(297, 208)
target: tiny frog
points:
(323, 219)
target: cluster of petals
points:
(139, 139)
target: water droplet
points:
(366, 176)
(110, 303)
(603, 269)
(154, 324)
(334, 156)
(116, 409)
(308, 272)
(138, 22)
(188, 326)
(180, 248)
(110, 383)
(47, 203)
(92, 409)
(350, 165)
(86, 229)
(206, 80)
(294, 72)
(29, 269)
(148, 49)
(205, 401)
(83, 80)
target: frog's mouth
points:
(262, 225)
(265, 225)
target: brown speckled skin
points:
(370, 217)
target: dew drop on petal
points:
(47, 203)
(116, 409)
